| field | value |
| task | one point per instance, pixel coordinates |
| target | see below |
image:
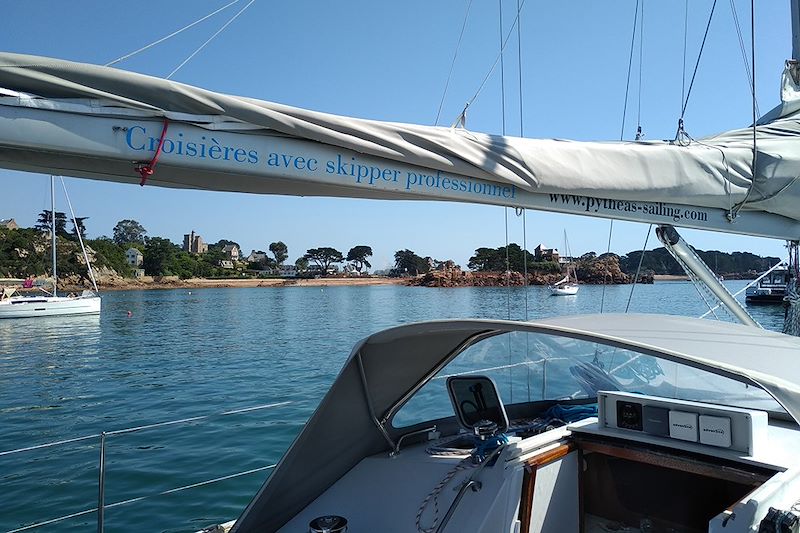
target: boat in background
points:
(564, 287)
(770, 289)
(567, 286)
(23, 306)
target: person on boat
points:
(28, 283)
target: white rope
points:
(433, 496)
(173, 34)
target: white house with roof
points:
(134, 257)
(232, 252)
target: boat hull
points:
(564, 290)
(765, 299)
(33, 306)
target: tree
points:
(78, 227)
(358, 255)
(45, 220)
(280, 251)
(487, 260)
(301, 264)
(129, 231)
(159, 255)
(222, 243)
(324, 257)
(408, 261)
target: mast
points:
(53, 231)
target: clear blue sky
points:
(390, 61)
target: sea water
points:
(159, 356)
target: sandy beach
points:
(202, 283)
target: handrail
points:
(101, 506)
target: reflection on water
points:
(155, 356)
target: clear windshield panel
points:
(531, 367)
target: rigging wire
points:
(641, 68)
(738, 207)
(496, 60)
(210, 39)
(743, 49)
(452, 63)
(630, 66)
(519, 70)
(80, 237)
(679, 134)
(605, 274)
(639, 268)
(173, 34)
(502, 73)
(685, 46)
(524, 211)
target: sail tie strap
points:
(147, 170)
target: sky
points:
(391, 61)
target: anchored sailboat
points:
(88, 302)
(568, 285)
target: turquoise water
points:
(191, 353)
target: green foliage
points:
(159, 255)
(222, 243)
(128, 232)
(358, 255)
(406, 261)
(659, 261)
(78, 227)
(324, 257)
(301, 263)
(23, 251)
(108, 254)
(280, 251)
(44, 222)
(494, 260)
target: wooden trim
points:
(526, 499)
(684, 464)
(529, 480)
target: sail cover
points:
(91, 121)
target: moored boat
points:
(771, 289)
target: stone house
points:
(8, 223)
(134, 257)
(541, 253)
(194, 244)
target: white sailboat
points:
(567, 286)
(24, 306)
(690, 432)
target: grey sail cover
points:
(713, 172)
